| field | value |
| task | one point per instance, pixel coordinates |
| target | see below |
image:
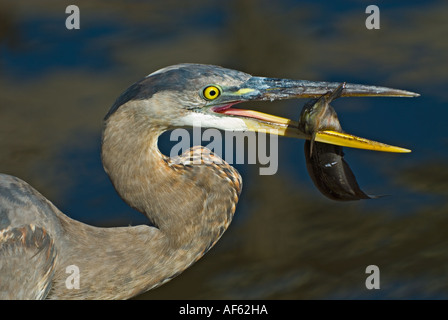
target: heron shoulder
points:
(21, 204)
(29, 245)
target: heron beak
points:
(270, 89)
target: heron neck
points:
(190, 206)
(145, 179)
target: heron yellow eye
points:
(211, 92)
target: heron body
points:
(189, 199)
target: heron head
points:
(187, 95)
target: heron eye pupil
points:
(212, 93)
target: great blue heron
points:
(190, 205)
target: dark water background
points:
(287, 241)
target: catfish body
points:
(330, 173)
(325, 163)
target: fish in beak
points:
(325, 162)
